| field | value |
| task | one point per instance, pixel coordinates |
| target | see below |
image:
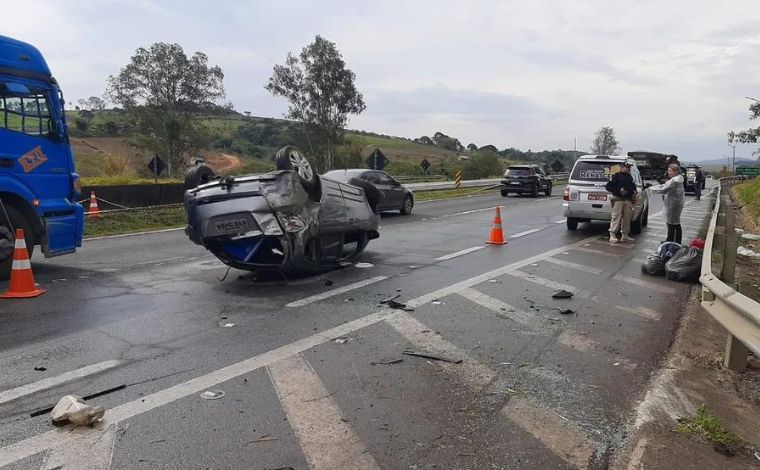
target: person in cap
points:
(623, 190)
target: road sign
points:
(377, 160)
(425, 164)
(747, 171)
(458, 179)
(156, 166)
(557, 166)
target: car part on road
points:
(562, 294)
(428, 355)
(73, 409)
(212, 394)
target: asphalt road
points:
(313, 372)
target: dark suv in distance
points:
(525, 179)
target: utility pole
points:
(733, 161)
(575, 144)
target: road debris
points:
(328, 283)
(742, 251)
(562, 294)
(387, 361)
(437, 357)
(364, 265)
(391, 303)
(73, 409)
(342, 340)
(264, 438)
(750, 236)
(212, 394)
(40, 369)
(225, 324)
(436, 302)
(565, 311)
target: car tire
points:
(636, 225)
(8, 239)
(290, 158)
(645, 217)
(504, 193)
(408, 205)
(534, 192)
(198, 175)
(572, 223)
(548, 191)
(370, 192)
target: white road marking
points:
(549, 283)
(50, 382)
(500, 308)
(596, 252)
(615, 246)
(527, 232)
(643, 312)
(460, 253)
(326, 441)
(569, 264)
(646, 284)
(576, 341)
(469, 212)
(561, 221)
(90, 449)
(473, 372)
(334, 292)
(634, 463)
(25, 448)
(564, 439)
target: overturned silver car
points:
(287, 220)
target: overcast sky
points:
(667, 75)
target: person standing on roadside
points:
(623, 191)
(699, 180)
(673, 193)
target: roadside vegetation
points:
(749, 194)
(117, 223)
(707, 426)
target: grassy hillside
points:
(239, 143)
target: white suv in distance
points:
(585, 198)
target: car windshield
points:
(589, 170)
(518, 172)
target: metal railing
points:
(736, 312)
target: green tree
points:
(321, 94)
(605, 142)
(165, 92)
(750, 136)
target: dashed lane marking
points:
(50, 382)
(561, 221)
(334, 292)
(645, 284)
(564, 439)
(326, 440)
(549, 283)
(527, 232)
(473, 372)
(634, 463)
(570, 264)
(460, 253)
(500, 308)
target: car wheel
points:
(290, 158)
(8, 239)
(370, 192)
(645, 217)
(406, 209)
(534, 192)
(572, 224)
(548, 191)
(504, 193)
(636, 225)
(198, 175)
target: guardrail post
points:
(735, 356)
(731, 244)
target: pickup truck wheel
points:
(572, 224)
(198, 175)
(548, 191)
(8, 238)
(504, 193)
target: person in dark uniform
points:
(623, 190)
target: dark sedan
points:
(388, 194)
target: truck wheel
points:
(8, 238)
(572, 224)
(198, 175)
(548, 191)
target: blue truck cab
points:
(39, 187)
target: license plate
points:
(597, 197)
(232, 225)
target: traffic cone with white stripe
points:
(22, 280)
(497, 234)
(93, 211)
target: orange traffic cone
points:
(497, 234)
(93, 211)
(22, 280)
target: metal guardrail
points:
(559, 176)
(418, 187)
(736, 312)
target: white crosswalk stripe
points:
(549, 283)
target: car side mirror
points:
(55, 130)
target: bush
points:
(117, 166)
(749, 194)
